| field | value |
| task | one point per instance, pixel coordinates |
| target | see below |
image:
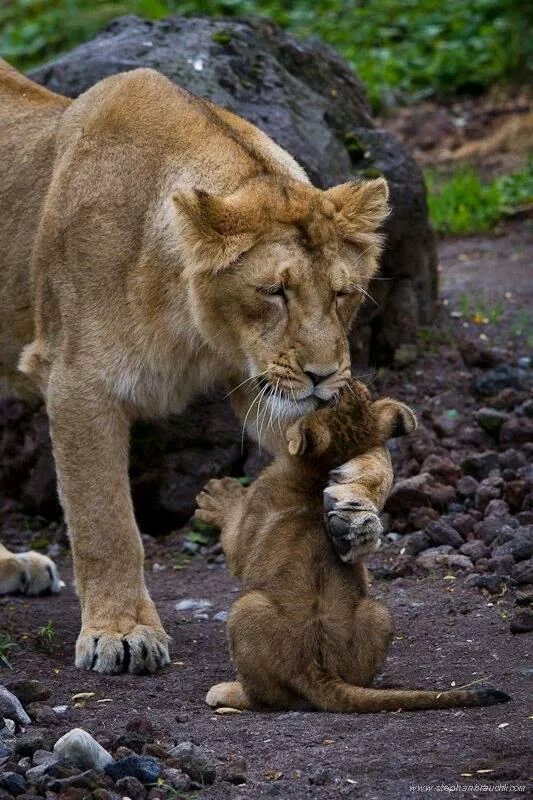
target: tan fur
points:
(142, 231)
(305, 633)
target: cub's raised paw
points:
(354, 532)
(29, 573)
(142, 650)
(230, 695)
(217, 500)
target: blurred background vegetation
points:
(404, 50)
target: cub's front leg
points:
(121, 631)
(357, 492)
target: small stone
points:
(28, 691)
(404, 355)
(130, 787)
(221, 616)
(42, 714)
(177, 779)
(131, 741)
(43, 757)
(417, 542)
(322, 777)
(444, 424)
(34, 774)
(13, 783)
(491, 529)
(141, 723)
(195, 762)
(522, 622)
(501, 564)
(462, 523)
(419, 518)
(79, 748)
(440, 532)
(146, 769)
(234, 772)
(496, 379)
(515, 492)
(193, 604)
(524, 362)
(11, 707)
(480, 465)
(512, 459)
(455, 561)
(434, 557)
(492, 583)
(489, 489)
(5, 750)
(419, 490)
(497, 508)
(29, 742)
(466, 486)
(516, 431)
(490, 419)
(475, 549)
(523, 572)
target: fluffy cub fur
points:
(305, 634)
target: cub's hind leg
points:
(230, 694)
(372, 628)
(28, 573)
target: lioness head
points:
(276, 272)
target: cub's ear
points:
(307, 436)
(393, 418)
(361, 207)
(215, 230)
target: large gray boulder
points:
(305, 96)
(309, 101)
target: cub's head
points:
(335, 434)
(276, 272)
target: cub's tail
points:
(327, 693)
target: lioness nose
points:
(319, 374)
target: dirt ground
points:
(447, 634)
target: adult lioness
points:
(152, 244)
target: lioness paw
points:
(217, 500)
(29, 573)
(230, 695)
(142, 650)
(354, 531)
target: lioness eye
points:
(276, 290)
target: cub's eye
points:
(277, 290)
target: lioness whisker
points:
(251, 378)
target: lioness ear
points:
(307, 436)
(215, 230)
(361, 207)
(393, 418)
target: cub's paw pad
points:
(354, 534)
(230, 694)
(142, 650)
(217, 499)
(29, 573)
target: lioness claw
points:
(142, 650)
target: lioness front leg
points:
(121, 631)
(357, 492)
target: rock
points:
(493, 381)
(221, 616)
(488, 489)
(445, 424)
(195, 762)
(176, 779)
(434, 557)
(417, 491)
(442, 468)
(419, 518)
(13, 783)
(404, 355)
(43, 757)
(417, 543)
(193, 604)
(34, 774)
(516, 431)
(145, 769)
(522, 622)
(11, 707)
(234, 771)
(440, 532)
(515, 492)
(455, 561)
(42, 714)
(501, 564)
(131, 741)
(490, 419)
(476, 353)
(322, 777)
(307, 98)
(493, 528)
(130, 787)
(29, 742)
(497, 508)
(28, 691)
(512, 459)
(523, 572)
(466, 486)
(480, 465)
(79, 748)
(475, 549)
(491, 583)
(88, 779)
(462, 523)
(141, 723)
(5, 750)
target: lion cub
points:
(305, 634)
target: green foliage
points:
(6, 645)
(464, 203)
(47, 636)
(402, 49)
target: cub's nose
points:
(318, 374)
